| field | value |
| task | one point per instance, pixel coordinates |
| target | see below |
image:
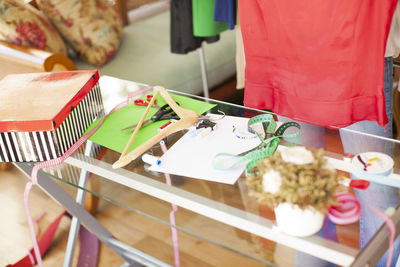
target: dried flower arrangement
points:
(297, 176)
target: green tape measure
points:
(267, 147)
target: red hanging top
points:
(320, 62)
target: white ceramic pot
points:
(295, 221)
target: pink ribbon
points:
(348, 211)
(392, 232)
(59, 160)
(172, 215)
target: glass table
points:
(217, 224)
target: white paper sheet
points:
(192, 156)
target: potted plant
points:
(299, 184)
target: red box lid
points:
(41, 101)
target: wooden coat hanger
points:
(187, 119)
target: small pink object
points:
(348, 211)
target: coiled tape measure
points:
(375, 167)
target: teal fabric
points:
(203, 19)
(144, 56)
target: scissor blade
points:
(145, 123)
(133, 126)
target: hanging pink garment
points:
(320, 62)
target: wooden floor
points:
(227, 92)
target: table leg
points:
(75, 224)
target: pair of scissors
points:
(163, 113)
(141, 102)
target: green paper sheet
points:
(110, 135)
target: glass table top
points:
(223, 215)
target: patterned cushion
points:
(93, 28)
(22, 24)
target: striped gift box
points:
(43, 114)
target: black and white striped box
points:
(43, 115)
